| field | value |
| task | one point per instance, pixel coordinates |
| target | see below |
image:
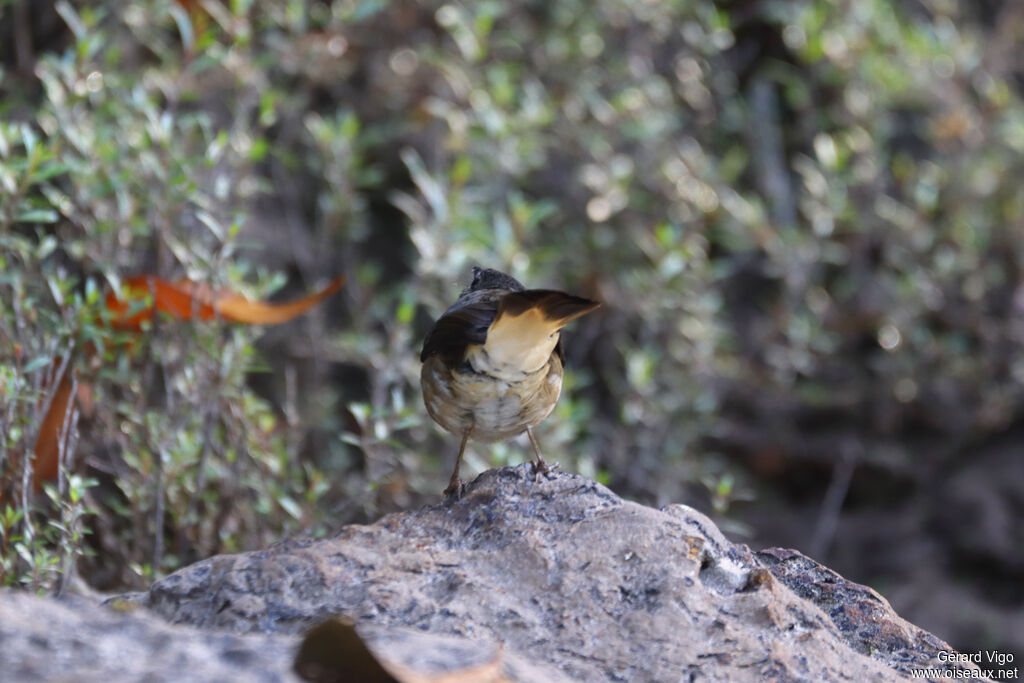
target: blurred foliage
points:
(104, 181)
(803, 219)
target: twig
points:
(769, 152)
(23, 49)
(158, 512)
(832, 504)
(193, 504)
(69, 518)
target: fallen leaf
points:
(144, 296)
(52, 430)
(187, 300)
(241, 310)
(333, 652)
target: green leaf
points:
(367, 8)
(184, 23)
(290, 506)
(259, 149)
(350, 126)
(46, 247)
(37, 216)
(49, 170)
(36, 363)
(29, 139)
(406, 309)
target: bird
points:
(493, 362)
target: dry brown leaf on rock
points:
(334, 652)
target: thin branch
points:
(769, 153)
(835, 495)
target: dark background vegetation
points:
(805, 220)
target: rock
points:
(569, 577)
(864, 618)
(73, 639)
(405, 655)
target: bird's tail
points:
(524, 330)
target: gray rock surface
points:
(570, 577)
(74, 639)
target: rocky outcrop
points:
(75, 639)
(554, 577)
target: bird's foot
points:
(456, 487)
(540, 467)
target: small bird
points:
(492, 364)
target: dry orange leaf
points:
(52, 430)
(334, 652)
(187, 300)
(181, 300)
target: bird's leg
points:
(455, 484)
(539, 467)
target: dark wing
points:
(457, 329)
